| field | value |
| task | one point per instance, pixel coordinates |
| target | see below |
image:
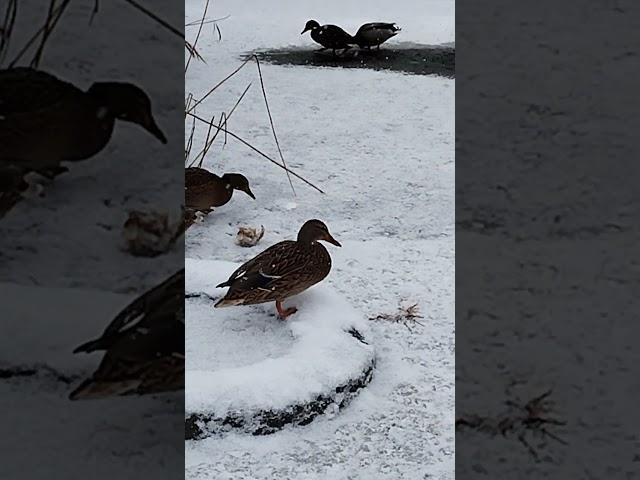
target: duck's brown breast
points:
(204, 190)
(315, 268)
(73, 129)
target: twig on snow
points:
(404, 315)
(529, 418)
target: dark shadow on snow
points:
(403, 57)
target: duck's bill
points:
(332, 240)
(154, 130)
(250, 193)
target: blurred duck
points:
(144, 346)
(44, 120)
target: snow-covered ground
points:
(72, 237)
(69, 242)
(44, 432)
(381, 145)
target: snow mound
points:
(246, 369)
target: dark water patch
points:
(405, 57)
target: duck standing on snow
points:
(204, 190)
(374, 34)
(44, 120)
(144, 346)
(282, 270)
(329, 36)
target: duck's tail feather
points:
(225, 302)
(92, 389)
(89, 347)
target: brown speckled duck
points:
(204, 190)
(144, 346)
(44, 120)
(282, 270)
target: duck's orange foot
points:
(284, 313)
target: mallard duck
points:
(144, 346)
(44, 120)
(374, 34)
(282, 270)
(329, 36)
(204, 190)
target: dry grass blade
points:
(239, 100)
(204, 15)
(10, 14)
(264, 95)
(198, 102)
(204, 151)
(193, 52)
(52, 20)
(57, 12)
(187, 103)
(244, 142)
(155, 17)
(273, 129)
(96, 7)
(187, 148)
(205, 22)
(208, 145)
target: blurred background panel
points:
(91, 244)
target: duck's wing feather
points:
(138, 364)
(25, 90)
(377, 25)
(275, 263)
(335, 34)
(160, 300)
(195, 176)
(367, 27)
